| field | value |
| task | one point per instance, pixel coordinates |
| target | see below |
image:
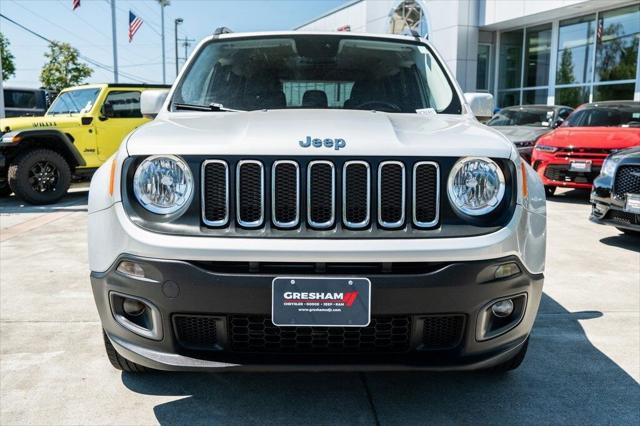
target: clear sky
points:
(89, 30)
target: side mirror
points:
(481, 104)
(151, 102)
(106, 111)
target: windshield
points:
(325, 72)
(531, 117)
(606, 116)
(74, 101)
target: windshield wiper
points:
(211, 107)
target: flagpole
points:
(163, 3)
(114, 40)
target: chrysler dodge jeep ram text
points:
(316, 199)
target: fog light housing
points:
(507, 270)
(503, 308)
(136, 315)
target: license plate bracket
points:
(632, 203)
(580, 166)
(321, 302)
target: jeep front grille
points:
(627, 181)
(321, 195)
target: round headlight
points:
(163, 184)
(476, 186)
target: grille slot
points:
(200, 332)
(258, 334)
(442, 331)
(426, 200)
(391, 194)
(250, 193)
(285, 184)
(627, 180)
(356, 190)
(321, 196)
(215, 193)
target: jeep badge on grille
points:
(319, 143)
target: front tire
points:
(5, 189)
(549, 191)
(118, 361)
(40, 176)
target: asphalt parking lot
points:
(583, 365)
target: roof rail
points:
(222, 30)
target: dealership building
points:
(563, 52)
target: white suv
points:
(324, 199)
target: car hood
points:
(593, 137)
(522, 133)
(48, 121)
(279, 132)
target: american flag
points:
(135, 22)
(75, 4)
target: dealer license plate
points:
(324, 302)
(580, 166)
(632, 205)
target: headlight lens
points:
(546, 148)
(476, 186)
(163, 184)
(609, 166)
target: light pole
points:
(114, 41)
(163, 4)
(175, 28)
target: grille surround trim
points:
(257, 223)
(215, 223)
(328, 224)
(347, 223)
(434, 222)
(296, 222)
(399, 223)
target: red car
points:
(571, 156)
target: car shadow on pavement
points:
(571, 196)
(623, 241)
(564, 379)
(75, 201)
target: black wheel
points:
(5, 189)
(549, 191)
(629, 232)
(119, 362)
(513, 363)
(40, 176)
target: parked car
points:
(615, 197)
(524, 124)
(83, 127)
(263, 220)
(571, 156)
(25, 102)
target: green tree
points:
(565, 71)
(8, 67)
(63, 68)
(570, 96)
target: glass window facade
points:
(484, 67)
(596, 59)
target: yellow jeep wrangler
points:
(39, 156)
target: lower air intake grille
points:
(627, 180)
(198, 332)
(442, 331)
(258, 334)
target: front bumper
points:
(211, 290)
(556, 170)
(607, 209)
